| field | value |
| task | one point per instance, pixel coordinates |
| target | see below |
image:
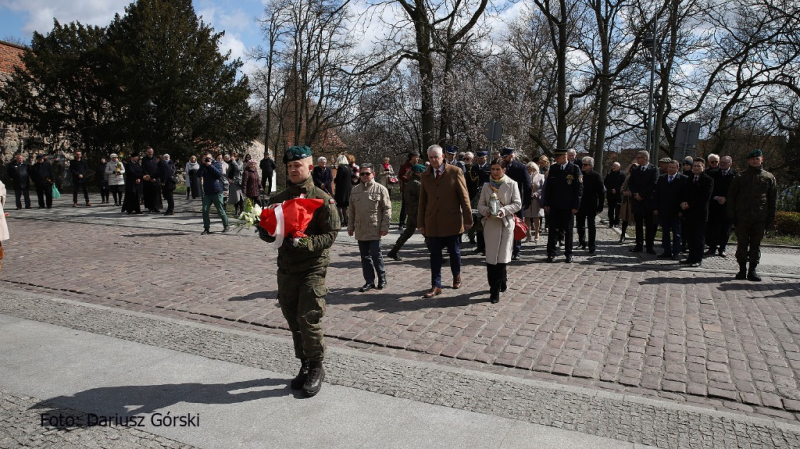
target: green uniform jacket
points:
(753, 196)
(322, 231)
(411, 198)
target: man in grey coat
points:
(368, 219)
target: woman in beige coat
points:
(498, 230)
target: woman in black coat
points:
(342, 187)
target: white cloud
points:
(41, 13)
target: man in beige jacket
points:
(368, 218)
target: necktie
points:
(669, 179)
(696, 178)
(436, 175)
(643, 167)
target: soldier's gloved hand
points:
(263, 235)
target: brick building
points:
(11, 138)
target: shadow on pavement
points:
(272, 294)
(376, 300)
(132, 400)
(156, 234)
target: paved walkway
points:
(614, 321)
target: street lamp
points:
(150, 107)
(650, 45)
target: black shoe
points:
(723, 254)
(550, 259)
(686, 262)
(494, 298)
(651, 251)
(316, 374)
(226, 229)
(664, 255)
(205, 231)
(710, 252)
(515, 257)
(300, 379)
(582, 245)
(394, 257)
(568, 259)
(635, 249)
(753, 276)
(742, 274)
(367, 287)
(382, 283)
(591, 249)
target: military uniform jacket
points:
(519, 173)
(563, 187)
(322, 230)
(753, 196)
(643, 182)
(444, 206)
(668, 196)
(593, 196)
(697, 194)
(369, 211)
(411, 198)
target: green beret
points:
(754, 153)
(296, 153)
(418, 168)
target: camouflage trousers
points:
(748, 241)
(302, 301)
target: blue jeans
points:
(671, 235)
(216, 200)
(435, 245)
(371, 259)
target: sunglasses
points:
(365, 174)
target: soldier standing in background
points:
(563, 190)
(411, 202)
(719, 225)
(302, 270)
(752, 203)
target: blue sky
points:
(20, 18)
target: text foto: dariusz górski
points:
(93, 420)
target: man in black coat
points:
(563, 190)
(133, 186)
(43, 178)
(267, 166)
(79, 169)
(591, 203)
(696, 195)
(719, 225)
(151, 184)
(518, 172)
(20, 172)
(667, 198)
(613, 185)
(166, 173)
(642, 186)
(479, 175)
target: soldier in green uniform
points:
(411, 201)
(751, 207)
(302, 269)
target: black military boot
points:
(300, 378)
(742, 274)
(494, 283)
(751, 273)
(393, 255)
(381, 281)
(316, 374)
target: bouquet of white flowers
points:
(251, 215)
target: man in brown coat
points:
(444, 214)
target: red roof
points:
(10, 56)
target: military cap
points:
(481, 153)
(755, 153)
(418, 168)
(451, 149)
(559, 152)
(296, 153)
(39, 157)
(506, 151)
(665, 160)
(688, 160)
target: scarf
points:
(496, 184)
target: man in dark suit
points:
(563, 189)
(479, 174)
(444, 214)
(696, 194)
(719, 225)
(519, 173)
(667, 199)
(166, 174)
(613, 185)
(591, 203)
(20, 173)
(43, 176)
(642, 185)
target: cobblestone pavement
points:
(615, 321)
(21, 425)
(623, 417)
